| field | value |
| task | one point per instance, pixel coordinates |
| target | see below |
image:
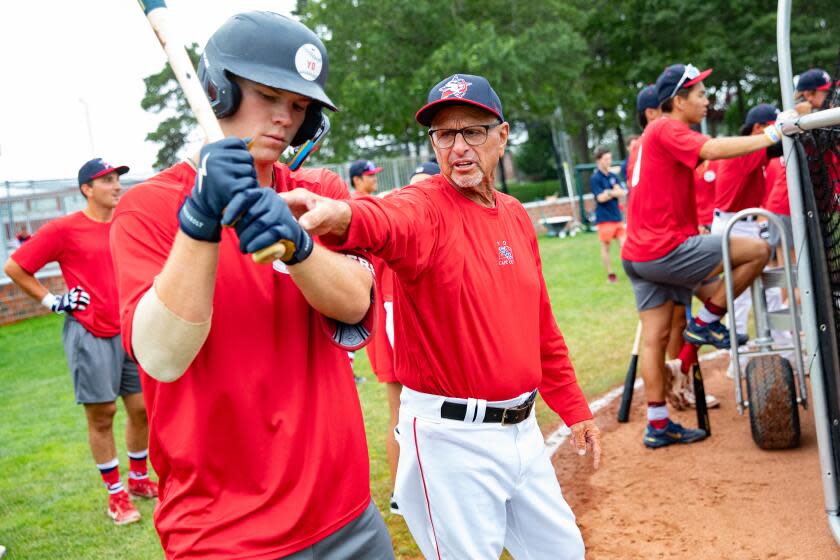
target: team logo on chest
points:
(505, 253)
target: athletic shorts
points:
(674, 276)
(100, 368)
(607, 231)
(366, 536)
(775, 238)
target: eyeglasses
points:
(474, 135)
(689, 73)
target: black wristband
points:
(303, 250)
(198, 225)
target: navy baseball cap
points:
(428, 168)
(363, 167)
(760, 114)
(460, 88)
(97, 168)
(677, 77)
(814, 79)
(647, 99)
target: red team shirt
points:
(472, 315)
(740, 182)
(259, 446)
(776, 197)
(80, 246)
(662, 211)
(704, 191)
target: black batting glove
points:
(225, 169)
(262, 218)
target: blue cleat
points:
(672, 433)
(714, 333)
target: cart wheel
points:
(774, 415)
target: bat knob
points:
(271, 253)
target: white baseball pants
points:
(468, 490)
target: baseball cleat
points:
(121, 510)
(672, 433)
(142, 488)
(714, 333)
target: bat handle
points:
(274, 252)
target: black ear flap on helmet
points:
(311, 124)
(222, 91)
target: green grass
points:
(52, 503)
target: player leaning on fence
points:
(100, 368)
(664, 256)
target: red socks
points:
(110, 472)
(137, 469)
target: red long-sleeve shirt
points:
(472, 313)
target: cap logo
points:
(308, 62)
(456, 87)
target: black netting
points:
(819, 156)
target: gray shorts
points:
(775, 238)
(100, 368)
(364, 537)
(674, 276)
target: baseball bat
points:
(630, 378)
(700, 399)
(158, 15)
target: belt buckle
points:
(518, 408)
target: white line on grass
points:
(556, 438)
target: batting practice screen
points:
(819, 157)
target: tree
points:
(164, 95)
(386, 54)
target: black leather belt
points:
(513, 415)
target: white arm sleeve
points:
(163, 343)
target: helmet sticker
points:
(308, 62)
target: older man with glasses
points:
(475, 341)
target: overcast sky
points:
(60, 57)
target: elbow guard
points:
(163, 343)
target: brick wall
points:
(16, 305)
(556, 207)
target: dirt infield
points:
(720, 498)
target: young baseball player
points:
(607, 190)
(424, 171)
(664, 256)
(257, 431)
(475, 339)
(812, 90)
(679, 393)
(363, 178)
(100, 368)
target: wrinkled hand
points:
(317, 214)
(75, 300)
(586, 436)
(225, 169)
(261, 219)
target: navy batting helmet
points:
(270, 49)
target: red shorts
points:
(607, 231)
